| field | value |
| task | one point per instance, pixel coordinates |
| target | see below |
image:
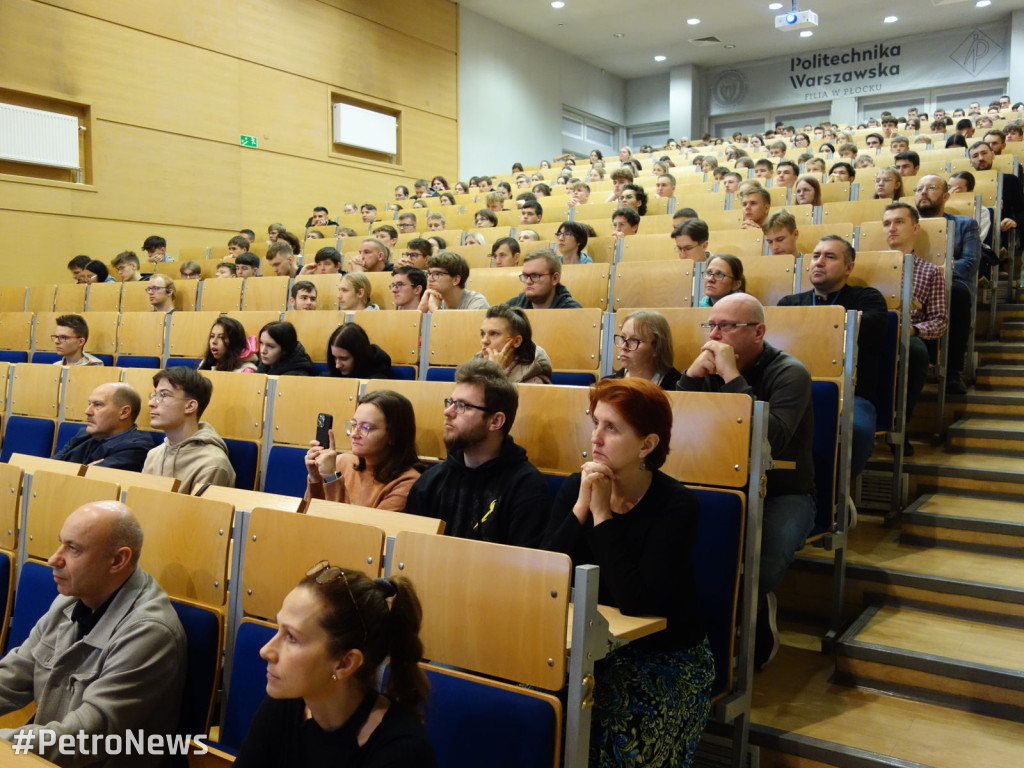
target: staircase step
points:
(877, 562)
(931, 469)
(1011, 330)
(999, 377)
(977, 524)
(962, 661)
(996, 351)
(798, 710)
(987, 434)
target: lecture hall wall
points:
(171, 86)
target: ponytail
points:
(407, 684)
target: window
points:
(582, 132)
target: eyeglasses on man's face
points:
(724, 327)
(162, 396)
(59, 339)
(436, 274)
(460, 407)
(532, 277)
(155, 288)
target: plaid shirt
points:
(928, 300)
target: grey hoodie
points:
(201, 458)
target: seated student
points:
(505, 252)
(109, 437)
(336, 629)
(161, 293)
(447, 273)
(320, 218)
(815, 165)
(963, 181)
(352, 356)
(229, 348)
(436, 220)
(368, 211)
(238, 245)
(416, 253)
(842, 172)
(572, 239)
(387, 235)
(527, 235)
(373, 256)
(756, 203)
(682, 214)
(247, 265)
(722, 276)
(281, 352)
(764, 168)
(407, 287)
(691, 237)
(69, 341)
(190, 270)
(639, 525)
(645, 349)
(807, 191)
(303, 295)
(786, 173)
(96, 272)
(494, 201)
(633, 196)
(506, 338)
(77, 267)
(127, 265)
(781, 233)
(888, 184)
(226, 269)
(156, 249)
(281, 258)
(192, 451)
(625, 222)
(531, 212)
(382, 465)
(908, 163)
(326, 262)
(107, 658)
(355, 292)
(486, 489)
(542, 283)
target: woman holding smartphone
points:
(382, 466)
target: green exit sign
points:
(248, 141)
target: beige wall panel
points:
(370, 57)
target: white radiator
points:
(37, 137)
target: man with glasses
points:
(485, 489)
(930, 196)
(542, 286)
(161, 293)
(447, 274)
(110, 437)
(737, 359)
(416, 253)
(832, 263)
(192, 450)
(407, 286)
(69, 341)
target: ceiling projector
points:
(796, 20)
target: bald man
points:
(108, 656)
(110, 437)
(736, 358)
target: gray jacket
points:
(126, 674)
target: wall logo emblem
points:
(976, 52)
(729, 88)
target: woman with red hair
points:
(652, 697)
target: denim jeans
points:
(864, 425)
(786, 521)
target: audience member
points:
(417, 252)
(108, 658)
(281, 352)
(786, 173)
(352, 356)
(645, 349)
(806, 191)
(96, 272)
(303, 295)
(625, 222)
(160, 292)
(572, 239)
(226, 269)
(486, 488)
(639, 525)
(238, 245)
(373, 256)
(908, 163)
(542, 283)
(780, 233)
(156, 249)
(691, 238)
(888, 184)
(229, 349)
(737, 359)
(281, 259)
(723, 276)
(69, 340)
(127, 265)
(633, 196)
(76, 267)
(506, 338)
(407, 286)
(192, 451)
(355, 292)
(505, 252)
(190, 270)
(382, 466)
(109, 437)
(447, 273)
(247, 265)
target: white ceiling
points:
(586, 28)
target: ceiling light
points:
(890, 19)
(693, 22)
(806, 33)
(983, 3)
(728, 46)
(659, 57)
(619, 34)
(558, 4)
(774, 6)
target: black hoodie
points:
(504, 500)
(296, 364)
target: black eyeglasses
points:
(630, 345)
(724, 327)
(460, 407)
(326, 573)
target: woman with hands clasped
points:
(506, 338)
(383, 464)
(651, 697)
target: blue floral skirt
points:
(650, 707)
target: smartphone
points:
(324, 422)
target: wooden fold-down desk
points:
(622, 629)
(9, 759)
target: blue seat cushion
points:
(248, 685)
(203, 631)
(28, 435)
(36, 591)
(286, 471)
